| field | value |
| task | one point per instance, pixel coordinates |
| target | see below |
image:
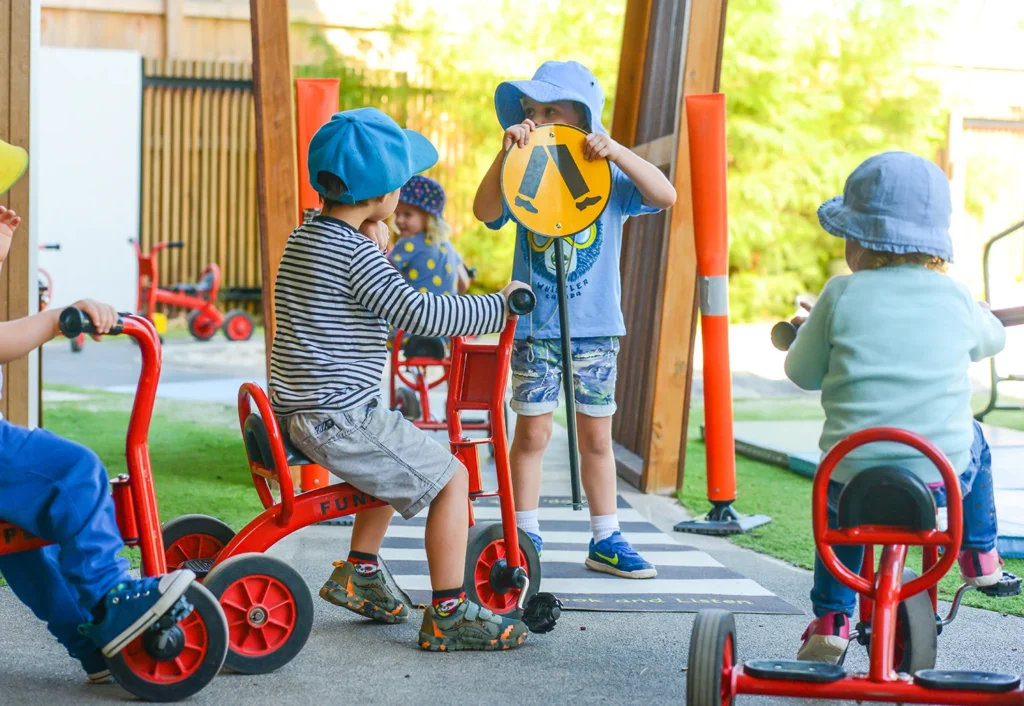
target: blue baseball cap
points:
(369, 152)
(893, 202)
(554, 81)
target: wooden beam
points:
(15, 54)
(658, 152)
(174, 26)
(277, 186)
(632, 60)
(677, 307)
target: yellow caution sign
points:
(550, 188)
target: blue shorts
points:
(537, 375)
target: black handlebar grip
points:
(73, 322)
(522, 301)
(783, 335)
(176, 244)
(471, 272)
(52, 246)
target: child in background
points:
(58, 490)
(334, 297)
(890, 345)
(424, 254)
(568, 93)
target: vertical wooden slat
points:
(168, 258)
(255, 267)
(231, 207)
(223, 165)
(275, 142)
(632, 59)
(177, 180)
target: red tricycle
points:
(46, 296)
(200, 299)
(162, 664)
(268, 604)
(892, 507)
(418, 364)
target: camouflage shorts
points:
(537, 375)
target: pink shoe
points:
(980, 569)
(826, 638)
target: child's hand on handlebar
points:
(104, 316)
(800, 319)
(9, 221)
(378, 232)
(518, 135)
(507, 292)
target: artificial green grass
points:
(786, 498)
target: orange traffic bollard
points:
(316, 100)
(705, 117)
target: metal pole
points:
(567, 379)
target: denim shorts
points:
(537, 375)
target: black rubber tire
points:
(204, 525)
(77, 345)
(232, 316)
(712, 631)
(254, 565)
(480, 536)
(209, 612)
(915, 618)
(407, 403)
(200, 334)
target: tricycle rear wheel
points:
(486, 554)
(194, 537)
(712, 657)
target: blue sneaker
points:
(131, 607)
(614, 555)
(95, 666)
(537, 540)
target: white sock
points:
(528, 521)
(603, 526)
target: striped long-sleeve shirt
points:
(334, 297)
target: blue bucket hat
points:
(369, 152)
(894, 202)
(424, 193)
(554, 81)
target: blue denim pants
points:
(979, 502)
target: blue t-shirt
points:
(892, 348)
(593, 287)
(426, 264)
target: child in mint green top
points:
(890, 345)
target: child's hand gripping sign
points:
(554, 183)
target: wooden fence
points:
(199, 162)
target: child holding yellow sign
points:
(568, 93)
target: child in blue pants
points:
(59, 490)
(890, 345)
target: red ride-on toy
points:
(269, 607)
(46, 296)
(165, 663)
(418, 364)
(894, 508)
(200, 299)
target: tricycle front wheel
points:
(486, 557)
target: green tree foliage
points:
(809, 98)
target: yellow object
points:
(550, 188)
(13, 163)
(160, 322)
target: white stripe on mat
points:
(635, 538)
(699, 559)
(627, 514)
(617, 586)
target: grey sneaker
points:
(470, 627)
(370, 596)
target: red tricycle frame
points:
(881, 593)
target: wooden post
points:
(632, 59)
(701, 73)
(277, 186)
(15, 53)
(174, 27)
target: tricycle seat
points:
(424, 347)
(889, 496)
(258, 446)
(794, 670)
(989, 682)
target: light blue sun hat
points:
(893, 202)
(554, 81)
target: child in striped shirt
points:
(334, 297)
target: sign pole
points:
(567, 379)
